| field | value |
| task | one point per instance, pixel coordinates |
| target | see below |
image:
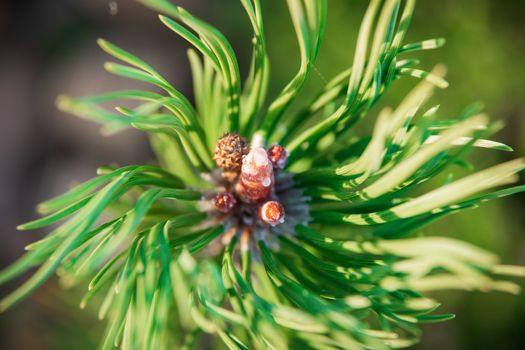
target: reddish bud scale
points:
(272, 213)
(224, 202)
(256, 179)
(278, 156)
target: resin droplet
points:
(229, 152)
(224, 201)
(272, 213)
(278, 156)
(256, 179)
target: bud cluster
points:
(250, 178)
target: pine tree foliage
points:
(352, 274)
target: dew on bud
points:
(256, 179)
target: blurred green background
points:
(47, 48)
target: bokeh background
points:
(48, 47)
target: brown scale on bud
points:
(278, 155)
(224, 201)
(272, 213)
(229, 152)
(256, 179)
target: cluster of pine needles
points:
(354, 275)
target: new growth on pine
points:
(269, 227)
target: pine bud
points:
(278, 156)
(272, 213)
(229, 152)
(224, 201)
(256, 179)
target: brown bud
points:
(256, 179)
(272, 213)
(224, 201)
(278, 156)
(229, 152)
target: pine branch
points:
(311, 242)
